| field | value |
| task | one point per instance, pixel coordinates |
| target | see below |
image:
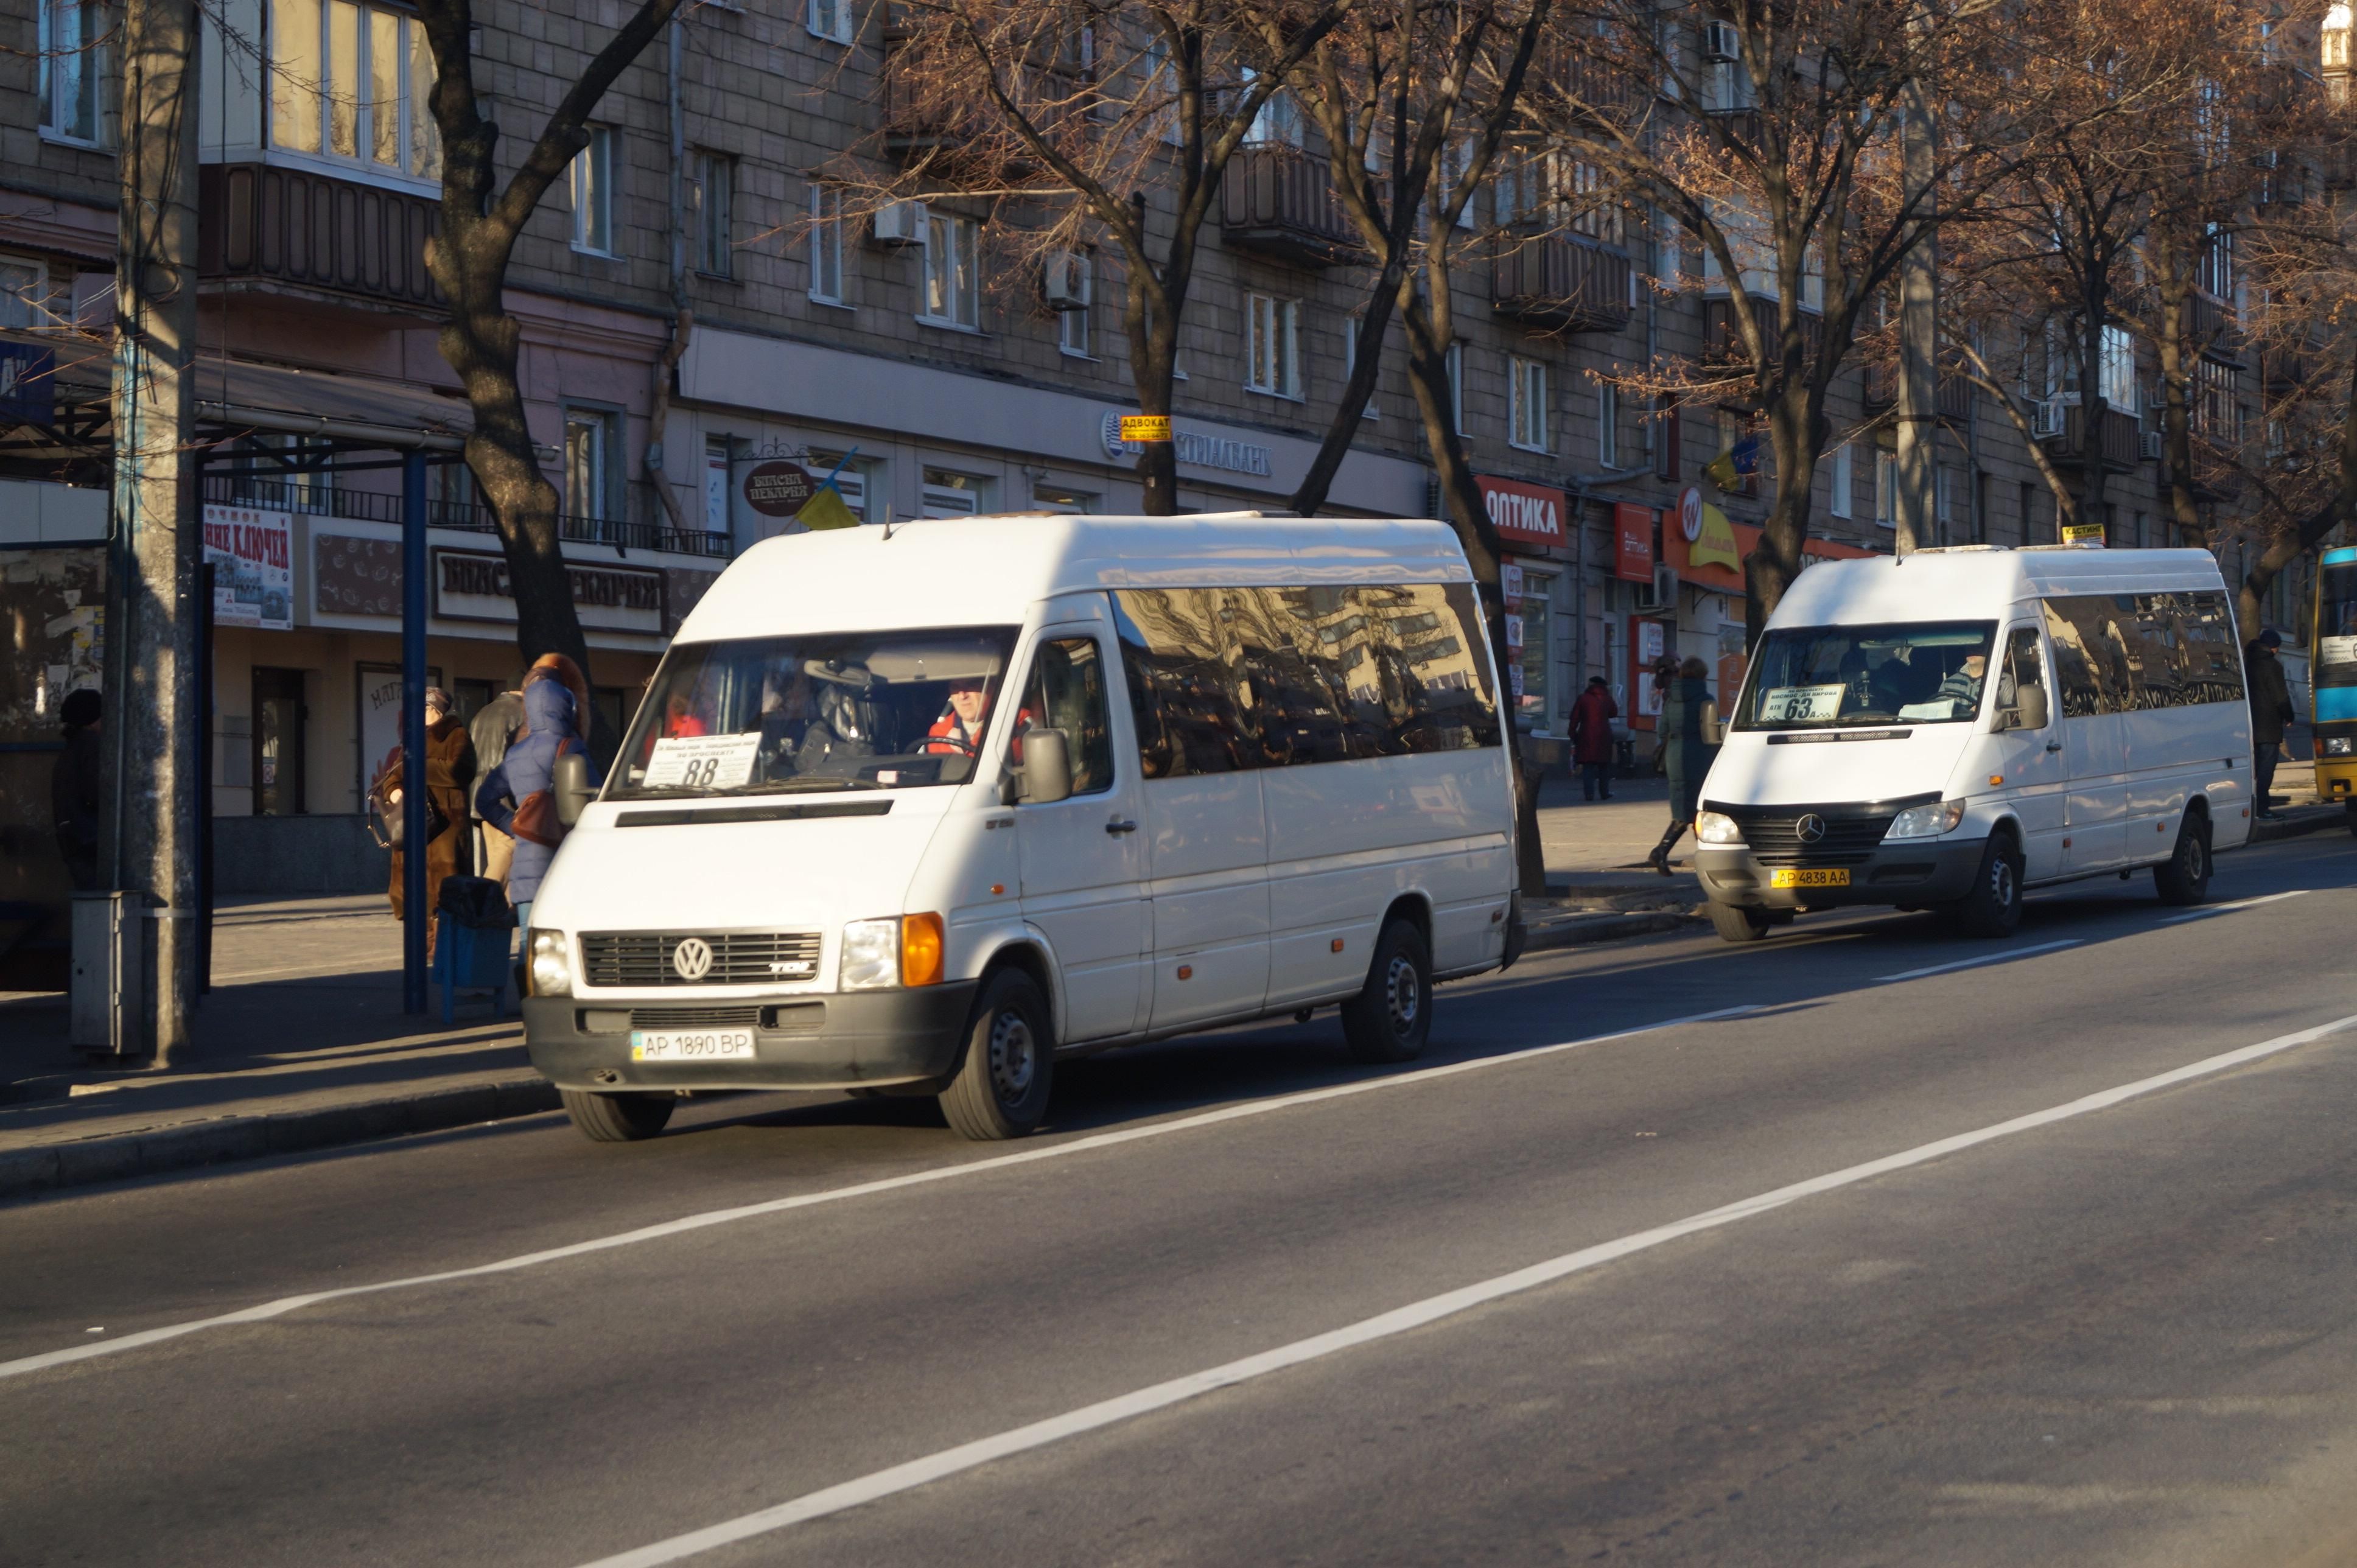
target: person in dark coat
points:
(75, 798)
(2271, 709)
(1592, 713)
(450, 769)
(493, 731)
(552, 727)
(1686, 754)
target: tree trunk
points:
(1795, 432)
(2259, 577)
(2093, 505)
(2176, 407)
(1152, 321)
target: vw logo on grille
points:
(692, 958)
(1810, 829)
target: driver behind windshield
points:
(1962, 686)
(958, 732)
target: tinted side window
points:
(1067, 693)
(1292, 672)
(2091, 656)
(1184, 688)
(2213, 661)
(2022, 671)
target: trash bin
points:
(470, 944)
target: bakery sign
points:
(472, 585)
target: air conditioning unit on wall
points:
(1662, 597)
(2153, 442)
(900, 223)
(1064, 281)
(1720, 42)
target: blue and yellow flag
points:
(826, 509)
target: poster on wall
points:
(252, 553)
(380, 717)
(1646, 644)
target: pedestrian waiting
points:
(1592, 713)
(2271, 709)
(518, 797)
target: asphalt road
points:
(1804, 1258)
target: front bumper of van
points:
(839, 1040)
(1919, 873)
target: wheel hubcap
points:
(2001, 883)
(1404, 995)
(1013, 1057)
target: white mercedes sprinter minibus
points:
(920, 810)
(1943, 730)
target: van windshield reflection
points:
(841, 711)
(1823, 677)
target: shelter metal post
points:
(412, 731)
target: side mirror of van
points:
(2029, 710)
(570, 785)
(1046, 775)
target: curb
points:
(1578, 931)
(2295, 821)
(51, 1167)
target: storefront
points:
(1531, 521)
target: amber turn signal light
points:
(920, 949)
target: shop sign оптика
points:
(470, 585)
(1531, 516)
(1632, 543)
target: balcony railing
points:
(2064, 433)
(1954, 400)
(1280, 201)
(464, 517)
(1722, 343)
(257, 222)
(1582, 83)
(2210, 326)
(1559, 282)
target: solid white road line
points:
(1161, 1396)
(2006, 957)
(2207, 910)
(286, 1305)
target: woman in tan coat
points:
(449, 773)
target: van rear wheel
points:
(1740, 922)
(618, 1118)
(1993, 908)
(2184, 876)
(1001, 1088)
(1390, 1017)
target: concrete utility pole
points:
(154, 577)
(1916, 513)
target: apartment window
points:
(1279, 124)
(1073, 292)
(2217, 411)
(71, 67)
(850, 478)
(593, 443)
(829, 19)
(953, 271)
(716, 485)
(1886, 490)
(1064, 498)
(1527, 380)
(25, 295)
(1457, 386)
(2119, 369)
(1273, 345)
(1593, 212)
(592, 193)
(715, 214)
(826, 243)
(350, 81)
(1947, 489)
(1840, 504)
(2028, 513)
(1608, 425)
(1350, 329)
(950, 494)
(450, 496)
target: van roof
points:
(1971, 583)
(985, 571)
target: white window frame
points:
(592, 180)
(826, 247)
(715, 213)
(944, 489)
(1350, 326)
(851, 484)
(1886, 488)
(311, 89)
(1839, 504)
(1074, 325)
(1527, 423)
(952, 289)
(719, 484)
(1608, 425)
(1272, 346)
(25, 292)
(829, 19)
(73, 61)
(600, 428)
(1064, 498)
(2116, 365)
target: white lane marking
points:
(2203, 914)
(2006, 957)
(1416, 1314)
(286, 1305)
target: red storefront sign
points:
(1529, 515)
(1632, 543)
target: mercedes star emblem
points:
(692, 958)
(1810, 829)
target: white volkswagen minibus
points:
(1943, 730)
(920, 810)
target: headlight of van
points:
(1717, 827)
(2340, 744)
(871, 955)
(548, 963)
(1926, 822)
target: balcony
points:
(1280, 202)
(1581, 84)
(1723, 344)
(260, 223)
(1955, 400)
(461, 517)
(2064, 436)
(2210, 326)
(1561, 283)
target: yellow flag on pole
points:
(825, 510)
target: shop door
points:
(278, 760)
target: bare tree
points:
(482, 218)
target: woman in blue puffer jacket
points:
(552, 724)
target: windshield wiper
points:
(810, 786)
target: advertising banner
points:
(252, 553)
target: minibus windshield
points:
(1821, 677)
(884, 709)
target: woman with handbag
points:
(1688, 746)
(450, 769)
(518, 795)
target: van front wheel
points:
(1993, 908)
(1390, 1017)
(1739, 922)
(618, 1118)
(1001, 1090)
(2184, 876)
